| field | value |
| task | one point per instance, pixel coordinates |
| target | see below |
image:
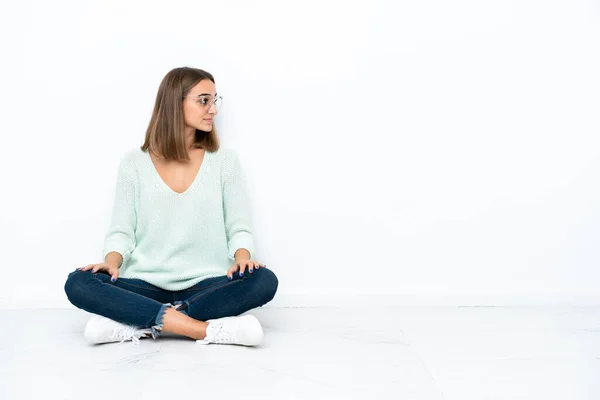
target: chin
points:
(206, 129)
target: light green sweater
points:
(174, 240)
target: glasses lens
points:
(218, 102)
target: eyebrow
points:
(205, 94)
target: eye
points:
(203, 101)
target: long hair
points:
(165, 135)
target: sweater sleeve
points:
(235, 208)
(120, 236)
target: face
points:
(199, 108)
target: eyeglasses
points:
(205, 101)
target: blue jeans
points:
(137, 302)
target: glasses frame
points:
(217, 101)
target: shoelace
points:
(129, 332)
(225, 336)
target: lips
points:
(208, 120)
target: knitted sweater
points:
(175, 240)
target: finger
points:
(253, 264)
(114, 276)
(99, 267)
(84, 268)
(232, 271)
(242, 268)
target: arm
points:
(119, 241)
(240, 241)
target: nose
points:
(213, 109)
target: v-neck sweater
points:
(175, 240)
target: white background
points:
(439, 152)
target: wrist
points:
(114, 259)
(242, 254)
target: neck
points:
(190, 134)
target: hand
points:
(112, 269)
(242, 265)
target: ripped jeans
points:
(136, 302)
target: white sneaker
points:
(244, 330)
(100, 329)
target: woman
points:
(179, 253)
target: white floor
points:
(317, 353)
